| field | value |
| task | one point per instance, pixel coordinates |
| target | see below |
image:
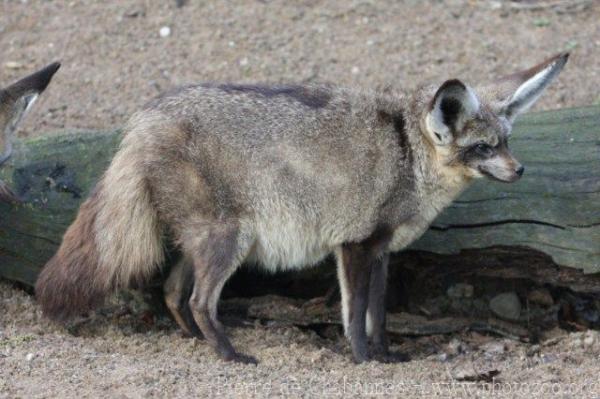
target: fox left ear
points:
(452, 105)
(521, 90)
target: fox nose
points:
(520, 170)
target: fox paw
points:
(241, 358)
(390, 357)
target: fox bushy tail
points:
(115, 241)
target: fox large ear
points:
(519, 91)
(452, 105)
(16, 100)
(26, 90)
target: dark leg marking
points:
(376, 311)
(214, 262)
(376, 314)
(356, 270)
(184, 301)
(178, 290)
(363, 276)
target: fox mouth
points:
(486, 173)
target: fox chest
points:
(287, 243)
(429, 208)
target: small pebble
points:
(576, 343)
(134, 13)
(495, 5)
(29, 357)
(165, 31)
(13, 65)
(460, 290)
(455, 347)
(355, 70)
(533, 350)
(506, 305)
(589, 340)
(548, 358)
(494, 348)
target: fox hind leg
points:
(217, 251)
(177, 291)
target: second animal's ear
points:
(16, 100)
(25, 91)
(452, 105)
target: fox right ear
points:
(452, 105)
(515, 93)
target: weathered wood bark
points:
(52, 175)
(555, 208)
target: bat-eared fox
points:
(281, 176)
(15, 101)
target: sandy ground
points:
(120, 356)
(114, 60)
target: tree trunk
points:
(554, 208)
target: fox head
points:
(469, 128)
(15, 101)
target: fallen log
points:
(554, 209)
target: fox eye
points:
(483, 149)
